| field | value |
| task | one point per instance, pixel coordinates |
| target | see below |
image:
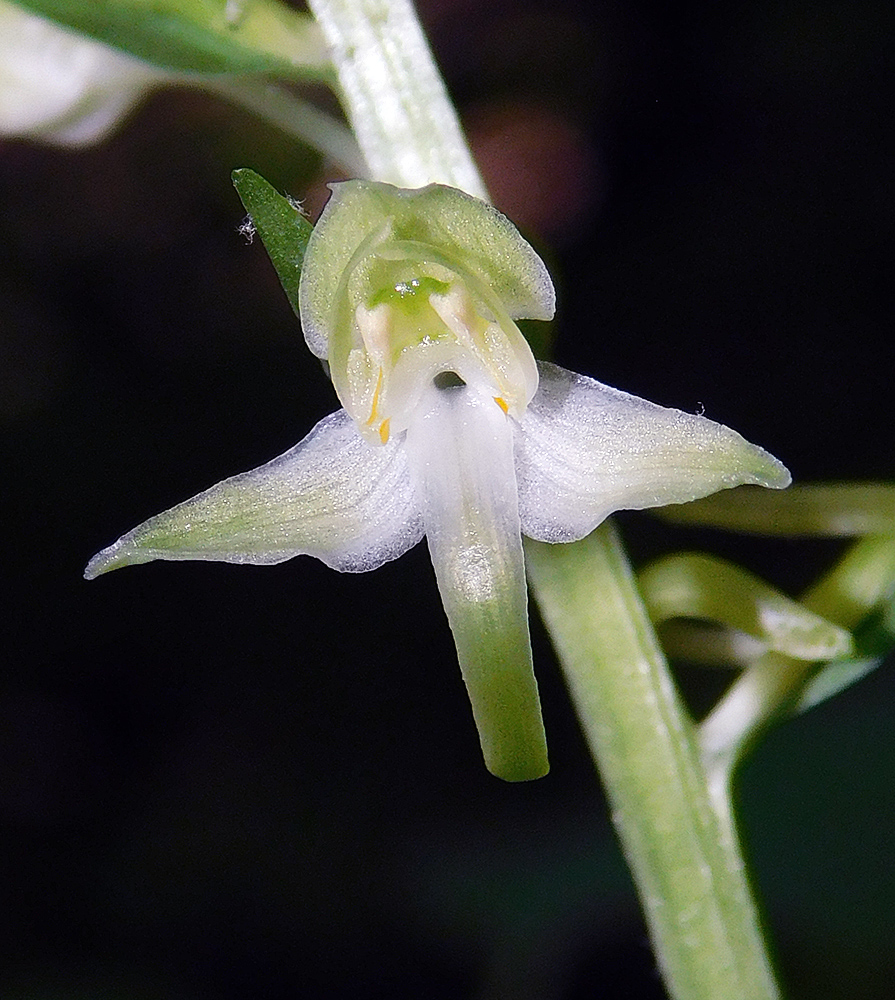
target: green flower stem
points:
(774, 683)
(394, 96)
(683, 854)
(862, 579)
(295, 117)
(710, 589)
(804, 510)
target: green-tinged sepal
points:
(279, 222)
(585, 450)
(331, 496)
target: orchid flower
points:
(61, 87)
(448, 429)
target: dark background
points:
(226, 782)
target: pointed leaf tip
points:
(279, 222)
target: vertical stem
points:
(682, 853)
(394, 95)
(295, 117)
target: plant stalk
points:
(294, 116)
(683, 855)
(774, 683)
(394, 96)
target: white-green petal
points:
(584, 450)
(60, 87)
(460, 452)
(332, 496)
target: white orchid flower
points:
(59, 87)
(451, 430)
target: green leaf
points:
(284, 231)
(693, 585)
(201, 36)
(833, 679)
(809, 509)
(874, 642)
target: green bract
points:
(200, 36)
(449, 429)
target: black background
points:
(221, 782)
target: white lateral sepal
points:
(585, 450)
(331, 496)
(57, 86)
